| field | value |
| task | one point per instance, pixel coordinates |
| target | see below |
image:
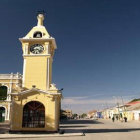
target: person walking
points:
(125, 119)
(113, 119)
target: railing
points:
(11, 76)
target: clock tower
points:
(38, 51)
(36, 104)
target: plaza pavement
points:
(93, 130)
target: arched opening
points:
(37, 35)
(33, 115)
(3, 93)
(2, 114)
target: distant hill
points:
(134, 100)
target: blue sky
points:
(98, 55)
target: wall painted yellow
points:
(37, 68)
(51, 116)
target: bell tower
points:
(38, 51)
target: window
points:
(3, 93)
(2, 114)
(37, 35)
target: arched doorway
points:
(3, 93)
(2, 114)
(33, 115)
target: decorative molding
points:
(10, 76)
(9, 82)
(34, 89)
(51, 39)
(35, 55)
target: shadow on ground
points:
(78, 126)
(71, 127)
(80, 122)
(99, 130)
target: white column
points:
(47, 48)
(25, 52)
(10, 88)
(24, 69)
(48, 73)
(8, 112)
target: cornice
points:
(39, 40)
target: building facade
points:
(32, 98)
(9, 83)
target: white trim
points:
(8, 97)
(48, 73)
(36, 39)
(9, 82)
(10, 89)
(10, 76)
(47, 49)
(10, 79)
(8, 112)
(26, 49)
(35, 55)
(24, 69)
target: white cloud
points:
(83, 101)
(87, 100)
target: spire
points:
(40, 18)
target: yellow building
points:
(35, 104)
(9, 83)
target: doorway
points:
(33, 115)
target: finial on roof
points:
(40, 18)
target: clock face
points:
(36, 48)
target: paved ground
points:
(97, 130)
